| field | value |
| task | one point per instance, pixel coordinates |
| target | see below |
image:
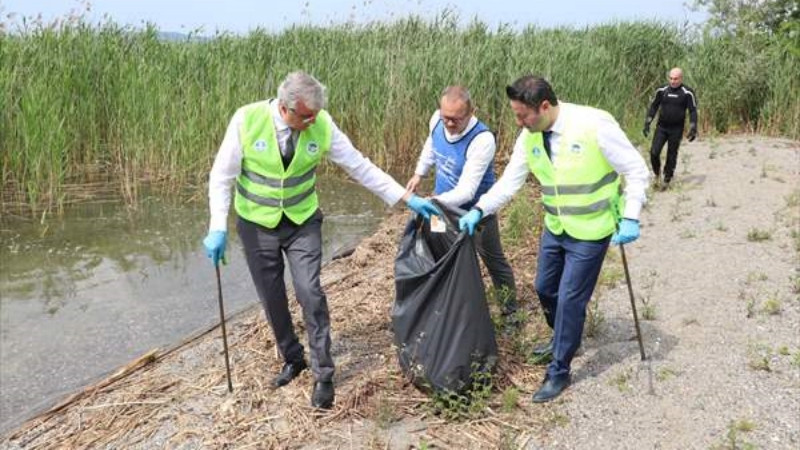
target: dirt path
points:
(717, 266)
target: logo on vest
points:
(260, 145)
(576, 148)
(312, 147)
(537, 151)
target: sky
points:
(240, 16)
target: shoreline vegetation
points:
(107, 105)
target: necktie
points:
(288, 152)
(546, 137)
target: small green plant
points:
(557, 419)
(610, 275)
(759, 358)
(721, 227)
(757, 235)
(509, 400)
(732, 439)
(665, 373)
(595, 319)
(796, 359)
(688, 234)
(752, 277)
(467, 404)
(772, 306)
(621, 381)
(783, 350)
(744, 425)
(793, 199)
(648, 310)
(795, 280)
(751, 308)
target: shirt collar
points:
(558, 125)
(277, 120)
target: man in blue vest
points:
(462, 149)
(577, 154)
(270, 152)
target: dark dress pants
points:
(302, 244)
(491, 252)
(565, 279)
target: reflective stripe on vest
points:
(580, 190)
(266, 190)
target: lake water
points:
(82, 294)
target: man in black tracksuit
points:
(671, 102)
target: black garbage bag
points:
(441, 322)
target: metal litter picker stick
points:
(633, 302)
(225, 333)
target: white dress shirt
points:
(228, 165)
(615, 145)
(480, 154)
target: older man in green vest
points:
(270, 152)
(577, 153)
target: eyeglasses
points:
(453, 119)
(305, 118)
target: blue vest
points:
(450, 158)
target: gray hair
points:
(300, 86)
(457, 93)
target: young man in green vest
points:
(577, 154)
(270, 152)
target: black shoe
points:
(289, 372)
(543, 353)
(322, 397)
(551, 388)
(665, 186)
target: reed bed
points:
(145, 108)
(178, 398)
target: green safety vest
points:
(581, 191)
(265, 190)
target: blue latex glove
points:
(422, 206)
(215, 246)
(628, 232)
(469, 221)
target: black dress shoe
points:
(551, 388)
(322, 397)
(543, 353)
(289, 372)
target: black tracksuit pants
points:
(671, 135)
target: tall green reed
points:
(122, 105)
